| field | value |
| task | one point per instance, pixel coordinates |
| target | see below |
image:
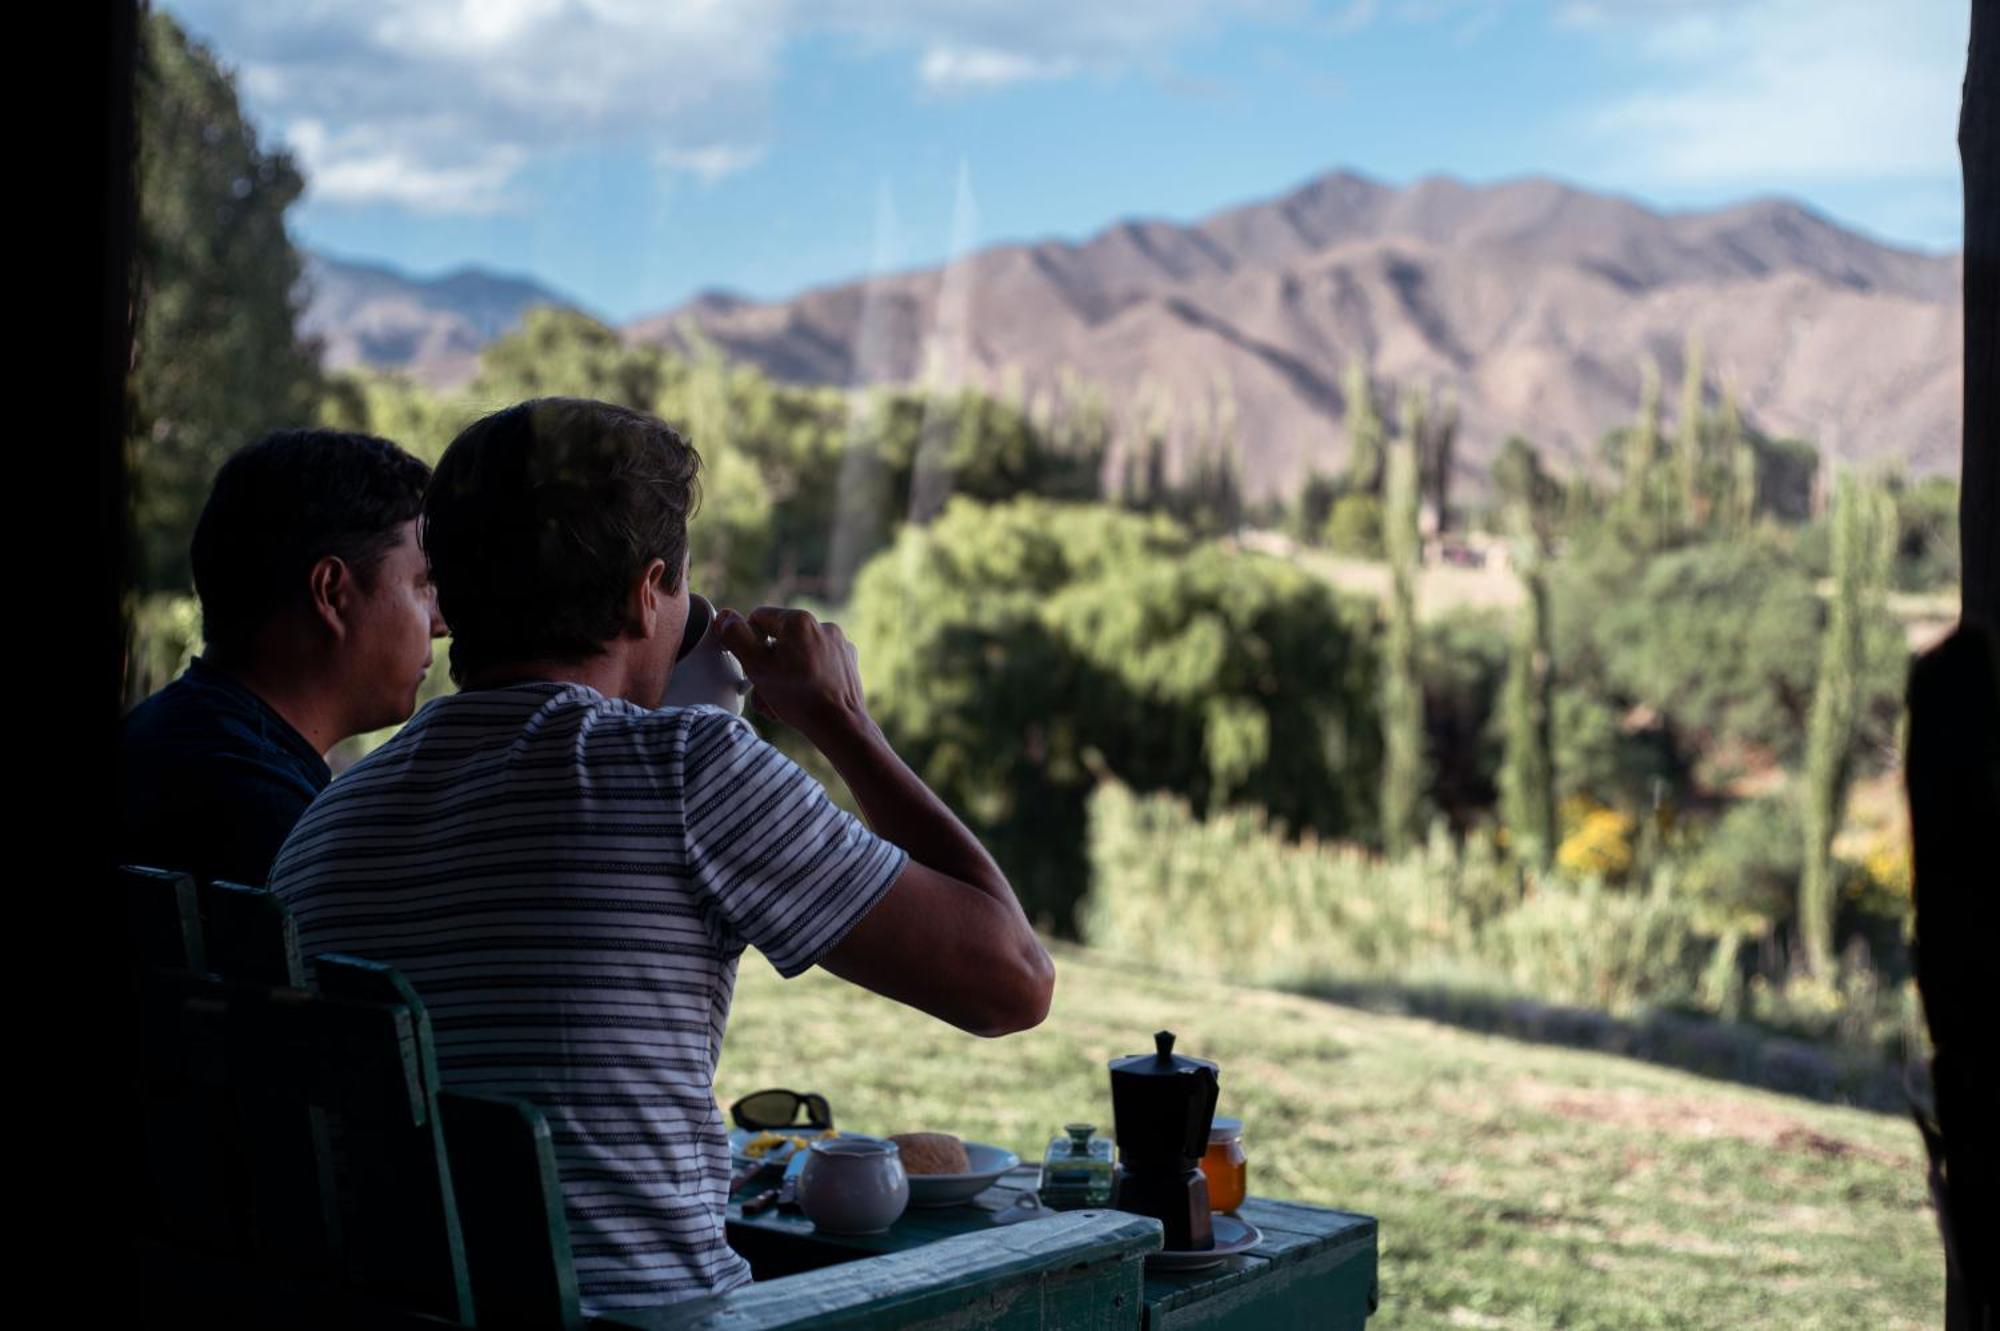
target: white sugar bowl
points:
(853, 1185)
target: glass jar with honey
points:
(1224, 1165)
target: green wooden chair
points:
(500, 1191)
(255, 1191)
(515, 1237)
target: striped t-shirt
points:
(568, 880)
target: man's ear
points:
(332, 587)
(649, 597)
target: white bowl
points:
(988, 1164)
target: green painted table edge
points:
(1333, 1247)
(1080, 1269)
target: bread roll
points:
(932, 1153)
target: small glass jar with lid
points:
(1076, 1172)
(1224, 1165)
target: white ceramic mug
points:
(854, 1185)
(705, 671)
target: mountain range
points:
(1533, 303)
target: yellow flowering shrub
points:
(1597, 845)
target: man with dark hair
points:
(568, 872)
(317, 615)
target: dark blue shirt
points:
(213, 779)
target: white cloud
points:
(439, 105)
(360, 165)
(1793, 92)
(711, 163)
(981, 68)
(1357, 15)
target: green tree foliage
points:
(1313, 505)
(1354, 526)
(1435, 429)
(1527, 777)
(1522, 485)
(1717, 639)
(1319, 513)
(1205, 493)
(562, 352)
(1640, 456)
(1016, 652)
(800, 486)
(216, 360)
(1717, 476)
(1462, 655)
(1739, 454)
(1787, 475)
(1364, 432)
(730, 537)
(395, 407)
(1403, 775)
(1690, 457)
(1745, 875)
(1927, 553)
(1596, 756)
(1863, 536)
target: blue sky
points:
(633, 152)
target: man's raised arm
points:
(949, 937)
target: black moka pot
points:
(1163, 1103)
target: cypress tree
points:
(1402, 692)
(1642, 445)
(1689, 502)
(1735, 446)
(1438, 442)
(1364, 432)
(1861, 535)
(1527, 776)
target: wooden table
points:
(1315, 1268)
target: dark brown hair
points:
(281, 505)
(540, 517)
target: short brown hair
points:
(538, 519)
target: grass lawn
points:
(1517, 1185)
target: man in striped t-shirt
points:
(567, 872)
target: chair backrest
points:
(502, 1184)
(248, 934)
(163, 925)
(273, 1068)
(162, 932)
(511, 1208)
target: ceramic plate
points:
(777, 1156)
(988, 1164)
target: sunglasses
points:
(766, 1111)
